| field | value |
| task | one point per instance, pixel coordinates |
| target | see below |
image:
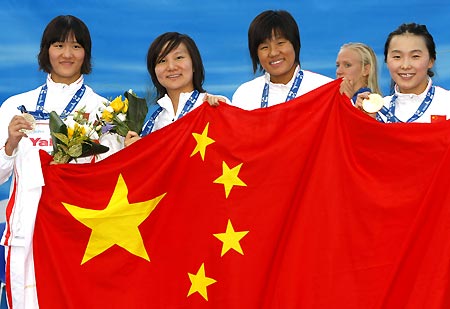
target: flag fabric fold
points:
(307, 204)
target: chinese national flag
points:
(438, 118)
(308, 204)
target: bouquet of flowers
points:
(123, 115)
(74, 139)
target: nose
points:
(339, 72)
(170, 64)
(406, 63)
(273, 51)
(67, 51)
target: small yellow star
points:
(231, 239)
(117, 224)
(199, 282)
(202, 142)
(229, 178)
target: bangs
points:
(167, 48)
(63, 31)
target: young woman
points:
(410, 54)
(176, 69)
(274, 45)
(65, 54)
(356, 63)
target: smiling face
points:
(349, 65)
(408, 61)
(175, 71)
(277, 57)
(66, 59)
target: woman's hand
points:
(131, 138)
(346, 88)
(213, 100)
(359, 103)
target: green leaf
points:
(56, 126)
(75, 151)
(137, 110)
(61, 137)
(122, 129)
(91, 148)
(63, 148)
(77, 140)
(60, 157)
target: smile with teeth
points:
(174, 76)
(276, 61)
(406, 75)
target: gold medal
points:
(373, 104)
(31, 120)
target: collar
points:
(75, 85)
(166, 103)
(412, 95)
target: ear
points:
(366, 70)
(431, 63)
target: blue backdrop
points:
(122, 31)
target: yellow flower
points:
(125, 108)
(70, 132)
(107, 115)
(81, 129)
(118, 105)
(75, 131)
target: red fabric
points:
(341, 212)
(7, 235)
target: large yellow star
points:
(229, 178)
(202, 142)
(199, 282)
(231, 239)
(117, 224)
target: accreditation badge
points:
(41, 137)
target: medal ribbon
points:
(40, 114)
(390, 113)
(292, 92)
(148, 126)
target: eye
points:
(163, 60)
(57, 45)
(263, 47)
(77, 46)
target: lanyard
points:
(40, 114)
(292, 92)
(390, 113)
(148, 126)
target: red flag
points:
(438, 118)
(308, 204)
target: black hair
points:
(416, 29)
(162, 46)
(58, 30)
(265, 25)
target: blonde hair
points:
(367, 57)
